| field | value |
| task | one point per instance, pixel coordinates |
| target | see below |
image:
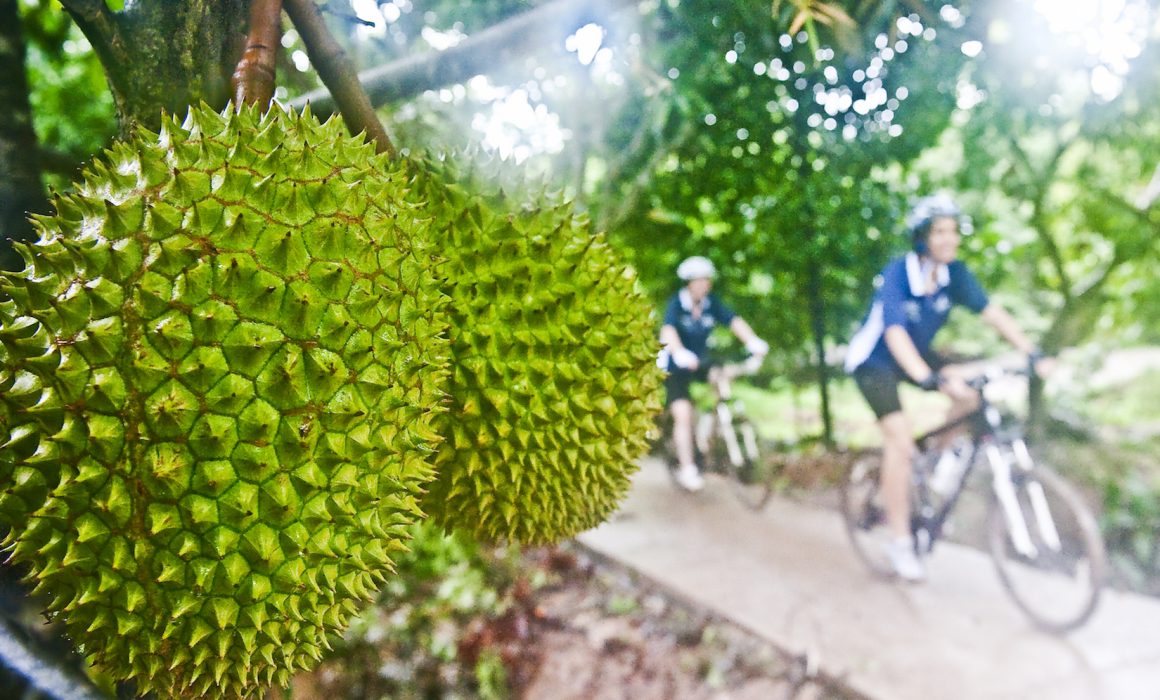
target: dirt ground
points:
(601, 634)
(590, 630)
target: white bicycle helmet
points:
(695, 268)
(927, 210)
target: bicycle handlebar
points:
(729, 371)
(994, 373)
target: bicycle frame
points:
(1038, 528)
(988, 435)
(720, 419)
(927, 521)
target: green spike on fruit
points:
(219, 375)
(554, 380)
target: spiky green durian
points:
(554, 379)
(219, 373)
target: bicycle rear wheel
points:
(864, 513)
(1048, 551)
(750, 476)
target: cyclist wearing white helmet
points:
(690, 317)
(913, 299)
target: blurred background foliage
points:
(788, 158)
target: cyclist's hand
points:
(686, 359)
(757, 346)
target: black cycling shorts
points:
(880, 385)
(678, 381)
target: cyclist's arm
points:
(745, 334)
(911, 362)
(670, 338)
(905, 354)
(893, 296)
(682, 356)
(998, 318)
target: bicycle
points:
(1045, 543)
(725, 440)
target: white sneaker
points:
(689, 477)
(900, 552)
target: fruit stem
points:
(253, 80)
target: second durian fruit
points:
(554, 379)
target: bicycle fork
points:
(725, 425)
(1003, 481)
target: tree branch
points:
(338, 73)
(1038, 185)
(410, 76)
(99, 25)
(1150, 193)
(253, 80)
(628, 202)
(162, 57)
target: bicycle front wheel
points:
(864, 512)
(1047, 549)
(750, 475)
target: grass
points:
(789, 414)
(1133, 406)
(1126, 416)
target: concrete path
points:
(789, 575)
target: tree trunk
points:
(161, 55)
(21, 188)
(818, 321)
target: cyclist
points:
(690, 317)
(913, 299)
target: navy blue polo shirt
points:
(900, 300)
(694, 332)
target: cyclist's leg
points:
(880, 388)
(681, 409)
(960, 406)
(897, 448)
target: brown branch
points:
(338, 74)
(99, 25)
(628, 202)
(1039, 179)
(512, 37)
(103, 30)
(253, 80)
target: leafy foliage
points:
(71, 103)
(1055, 174)
(409, 641)
(776, 159)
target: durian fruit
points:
(554, 385)
(219, 374)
